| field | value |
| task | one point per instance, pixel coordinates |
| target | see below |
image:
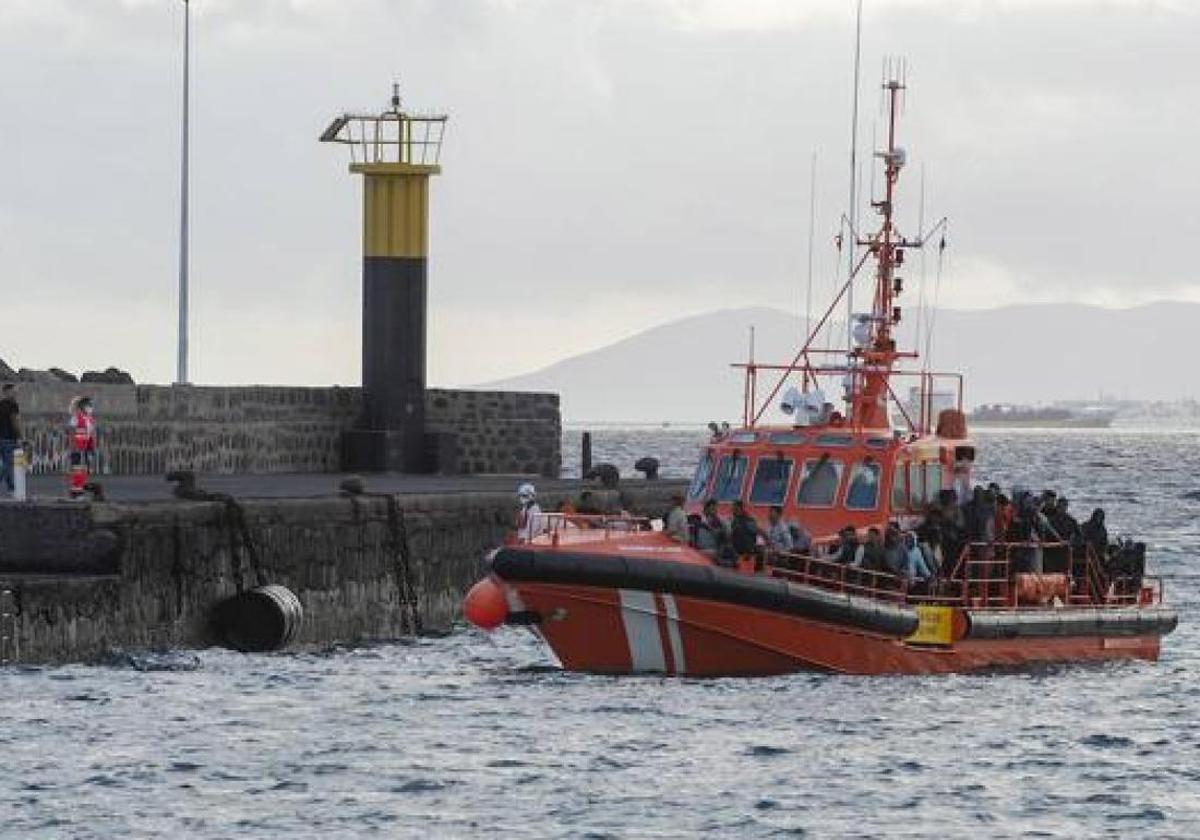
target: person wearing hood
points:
(530, 521)
(675, 523)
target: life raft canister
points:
(951, 423)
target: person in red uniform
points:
(82, 438)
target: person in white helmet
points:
(530, 521)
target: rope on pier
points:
(397, 547)
(402, 556)
(236, 527)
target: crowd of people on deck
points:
(1041, 532)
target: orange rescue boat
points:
(614, 595)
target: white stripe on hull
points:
(517, 604)
(673, 633)
(640, 618)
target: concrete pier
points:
(144, 570)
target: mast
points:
(870, 361)
(875, 353)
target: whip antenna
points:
(853, 209)
(812, 223)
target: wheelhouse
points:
(827, 478)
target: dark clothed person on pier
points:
(10, 433)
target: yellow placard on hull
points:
(935, 627)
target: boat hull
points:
(629, 631)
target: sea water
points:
(473, 734)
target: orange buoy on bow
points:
(485, 605)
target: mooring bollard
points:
(20, 469)
(585, 455)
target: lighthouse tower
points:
(396, 152)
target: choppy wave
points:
(471, 734)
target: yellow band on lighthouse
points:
(395, 209)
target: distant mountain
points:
(1035, 353)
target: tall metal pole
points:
(181, 372)
(853, 210)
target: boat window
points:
(700, 480)
(833, 440)
(743, 437)
(899, 488)
(770, 481)
(731, 475)
(916, 496)
(933, 481)
(878, 443)
(786, 437)
(819, 482)
(863, 492)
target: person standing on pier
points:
(10, 433)
(82, 434)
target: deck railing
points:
(841, 577)
(983, 576)
(556, 528)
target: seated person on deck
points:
(711, 533)
(847, 551)
(743, 531)
(779, 533)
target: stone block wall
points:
(90, 578)
(151, 429)
(500, 431)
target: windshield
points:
(770, 481)
(819, 483)
(863, 492)
(700, 480)
(730, 476)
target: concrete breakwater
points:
(151, 429)
(85, 579)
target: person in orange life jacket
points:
(82, 438)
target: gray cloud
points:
(610, 164)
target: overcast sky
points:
(610, 164)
